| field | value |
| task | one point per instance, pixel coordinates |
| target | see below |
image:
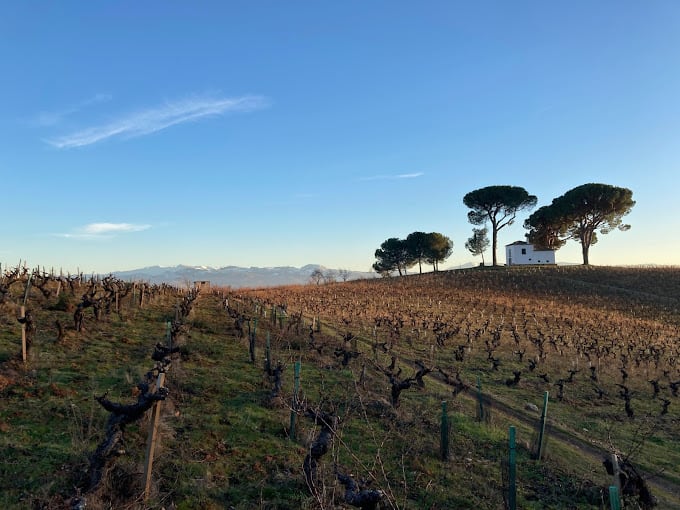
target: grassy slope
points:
(225, 444)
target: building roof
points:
(516, 243)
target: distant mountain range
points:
(233, 276)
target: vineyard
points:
(391, 393)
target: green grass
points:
(224, 444)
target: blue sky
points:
(274, 133)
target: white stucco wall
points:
(518, 254)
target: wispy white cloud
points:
(53, 118)
(103, 230)
(156, 119)
(392, 177)
(108, 228)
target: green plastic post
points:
(445, 432)
(614, 500)
(541, 435)
(512, 472)
(293, 411)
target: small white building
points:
(522, 253)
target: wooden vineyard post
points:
(24, 353)
(512, 472)
(168, 334)
(614, 500)
(375, 344)
(268, 355)
(23, 334)
(153, 438)
(541, 432)
(293, 411)
(445, 432)
(251, 340)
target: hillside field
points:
(378, 362)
